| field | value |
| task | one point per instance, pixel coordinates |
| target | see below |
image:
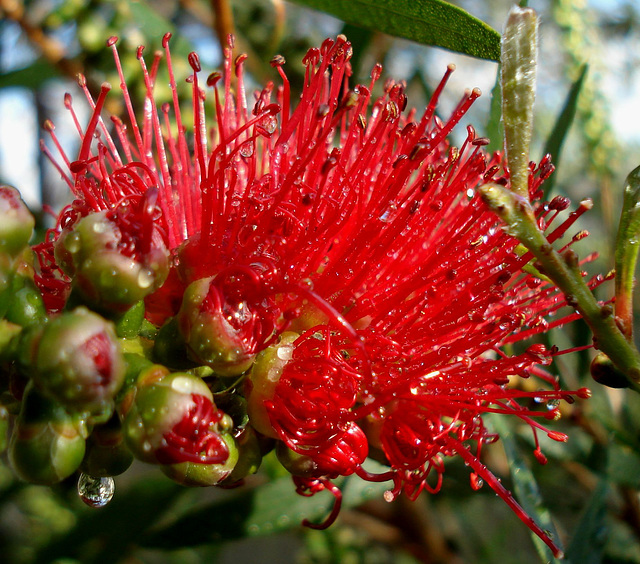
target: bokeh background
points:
(590, 486)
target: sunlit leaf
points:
(431, 22)
(526, 488)
(561, 128)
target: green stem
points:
(565, 273)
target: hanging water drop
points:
(246, 149)
(540, 399)
(553, 404)
(95, 492)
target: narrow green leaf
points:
(30, 77)
(495, 130)
(431, 22)
(590, 535)
(267, 509)
(561, 128)
(526, 488)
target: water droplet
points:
(246, 149)
(476, 481)
(72, 242)
(285, 352)
(145, 278)
(553, 404)
(96, 492)
(539, 399)
(269, 123)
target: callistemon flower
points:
(341, 243)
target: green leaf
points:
(266, 509)
(525, 487)
(107, 534)
(561, 128)
(495, 130)
(30, 77)
(431, 22)
(361, 40)
(589, 537)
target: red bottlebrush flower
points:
(343, 242)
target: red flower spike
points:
(352, 220)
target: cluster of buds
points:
(322, 280)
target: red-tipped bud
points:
(201, 474)
(217, 332)
(173, 420)
(263, 379)
(78, 362)
(113, 264)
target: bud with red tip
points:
(171, 419)
(114, 259)
(76, 360)
(218, 332)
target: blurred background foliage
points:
(590, 67)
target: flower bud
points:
(200, 474)
(217, 333)
(107, 454)
(112, 267)
(173, 420)
(249, 456)
(263, 379)
(295, 463)
(606, 373)
(78, 362)
(16, 222)
(47, 443)
(26, 306)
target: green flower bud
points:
(26, 307)
(214, 335)
(606, 373)
(107, 454)
(173, 420)
(264, 378)
(295, 463)
(78, 362)
(16, 222)
(249, 456)
(169, 347)
(47, 444)
(110, 266)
